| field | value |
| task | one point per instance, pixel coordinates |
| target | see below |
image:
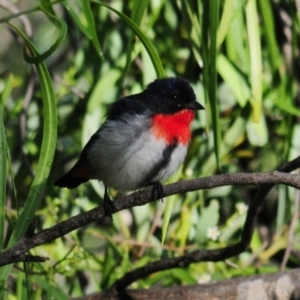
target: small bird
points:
(143, 141)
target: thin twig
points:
(9, 6)
(156, 221)
(143, 244)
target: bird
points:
(142, 142)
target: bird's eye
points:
(174, 96)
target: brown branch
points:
(281, 285)
(27, 258)
(145, 196)
(215, 254)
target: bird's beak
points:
(194, 105)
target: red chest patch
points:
(177, 126)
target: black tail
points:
(70, 182)
(76, 176)
(80, 172)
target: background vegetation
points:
(242, 58)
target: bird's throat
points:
(173, 127)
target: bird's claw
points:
(157, 191)
(108, 205)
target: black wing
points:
(131, 105)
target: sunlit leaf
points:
(256, 61)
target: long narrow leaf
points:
(167, 216)
(209, 43)
(85, 22)
(255, 55)
(146, 42)
(234, 79)
(225, 21)
(2, 177)
(87, 11)
(46, 154)
(267, 16)
(82, 23)
(62, 34)
(139, 8)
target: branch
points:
(281, 285)
(222, 253)
(145, 196)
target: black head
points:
(170, 95)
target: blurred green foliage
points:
(242, 58)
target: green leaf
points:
(52, 291)
(286, 106)
(233, 224)
(138, 10)
(167, 215)
(82, 15)
(270, 33)
(87, 11)
(232, 136)
(3, 173)
(255, 58)
(146, 42)
(209, 217)
(185, 225)
(235, 79)
(281, 207)
(258, 132)
(209, 42)
(236, 39)
(46, 155)
(225, 22)
(92, 26)
(256, 242)
(192, 24)
(62, 34)
(184, 275)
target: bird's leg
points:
(157, 190)
(108, 204)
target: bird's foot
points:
(157, 191)
(108, 205)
